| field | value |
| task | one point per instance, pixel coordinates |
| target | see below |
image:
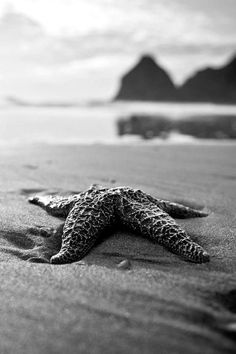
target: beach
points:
(161, 304)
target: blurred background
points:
(74, 71)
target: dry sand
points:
(161, 304)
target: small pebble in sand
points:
(125, 264)
(81, 263)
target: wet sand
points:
(162, 304)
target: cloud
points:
(67, 40)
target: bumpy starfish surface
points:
(89, 213)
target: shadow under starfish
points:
(90, 212)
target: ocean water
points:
(89, 124)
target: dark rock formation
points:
(211, 85)
(147, 81)
(219, 126)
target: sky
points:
(79, 49)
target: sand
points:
(159, 303)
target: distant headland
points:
(148, 81)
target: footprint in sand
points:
(31, 167)
(28, 191)
(32, 191)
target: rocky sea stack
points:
(147, 81)
(211, 85)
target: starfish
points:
(88, 214)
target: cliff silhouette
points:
(211, 85)
(148, 81)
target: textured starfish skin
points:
(90, 213)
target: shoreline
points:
(126, 142)
(91, 125)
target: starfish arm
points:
(180, 211)
(55, 205)
(86, 221)
(175, 210)
(156, 224)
